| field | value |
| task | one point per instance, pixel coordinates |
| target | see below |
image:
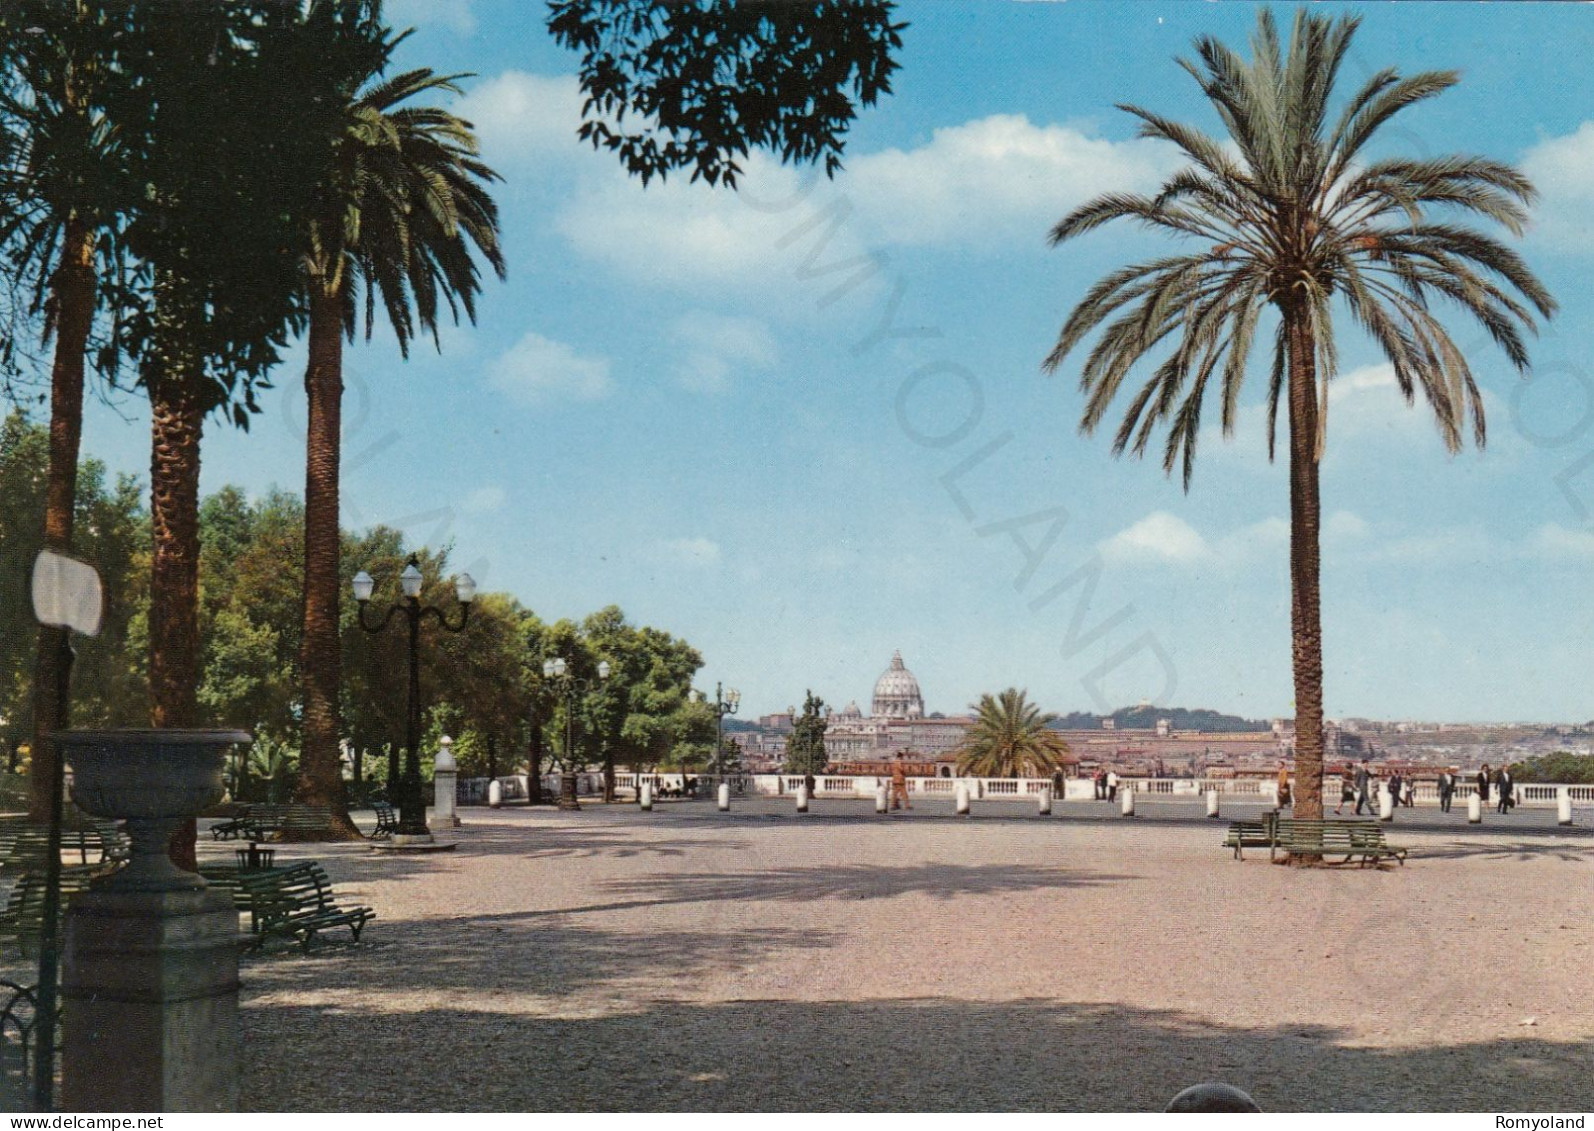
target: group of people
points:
(1359, 788)
(1106, 783)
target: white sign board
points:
(67, 593)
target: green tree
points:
(805, 748)
(1297, 216)
(1562, 766)
(396, 225)
(61, 191)
(1010, 738)
(695, 84)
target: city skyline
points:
(680, 403)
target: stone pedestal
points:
(445, 773)
(150, 1002)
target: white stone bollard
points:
(1126, 801)
(1563, 806)
(495, 795)
(882, 800)
(1043, 801)
(647, 797)
(802, 799)
(445, 772)
(1474, 810)
(725, 797)
(1212, 803)
(960, 798)
(1386, 804)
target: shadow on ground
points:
(899, 1055)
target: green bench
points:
(1252, 834)
(225, 879)
(265, 821)
(386, 820)
(23, 917)
(296, 903)
(1362, 841)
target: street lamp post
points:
(569, 686)
(725, 703)
(411, 801)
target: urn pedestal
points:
(150, 972)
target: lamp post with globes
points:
(567, 684)
(725, 703)
(411, 801)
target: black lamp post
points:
(725, 703)
(567, 685)
(411, 801)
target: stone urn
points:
(154, 780)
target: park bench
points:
(23, 917)
(1362, 841)
(296, 903)
(224, 878)
(386, 820)
(1252, 834)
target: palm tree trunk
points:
(74, 315)
(177, 422)
(1306, 622)
(320, 658)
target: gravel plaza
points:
(687, 960)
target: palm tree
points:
(407, 206)
(1010, 737)
(57, 217)
(1300, 217)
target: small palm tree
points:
(1298, 222)
(1010, 738)
(408, 206)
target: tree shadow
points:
(1460, 850)
(896, 1055)
(505, 953)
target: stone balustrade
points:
(1537, 795)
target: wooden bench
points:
(1362, 841)
(386, 820)
(296, 903)
(23, 917)
(1252, 834)
(225, 879)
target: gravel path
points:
(682, 960)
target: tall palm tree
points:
(58, 210)
(1010, 737)
(406, 211)
(1300, 217)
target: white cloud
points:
(525, 120)
(485, 499)
(456, 15)
(1555, 540)
(997, 177)
(536, 370)
(1562, 169)
(714, 348)
(689, 552)
(1159, 536)
(1345, 525)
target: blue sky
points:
(799, 425)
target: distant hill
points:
(1180, 718)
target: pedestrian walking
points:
(899, 785)
(1483, 784)
(1507, 789)
(1112, 785)
(1100, 780)
(1364, 783)
(1284, 786)
(1347, 788)
(1395, 783)
(1447, 789)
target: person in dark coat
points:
(1507, 789)
(1447, 789)
(1395, 782)
(1483, 784)
(1364, 783)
